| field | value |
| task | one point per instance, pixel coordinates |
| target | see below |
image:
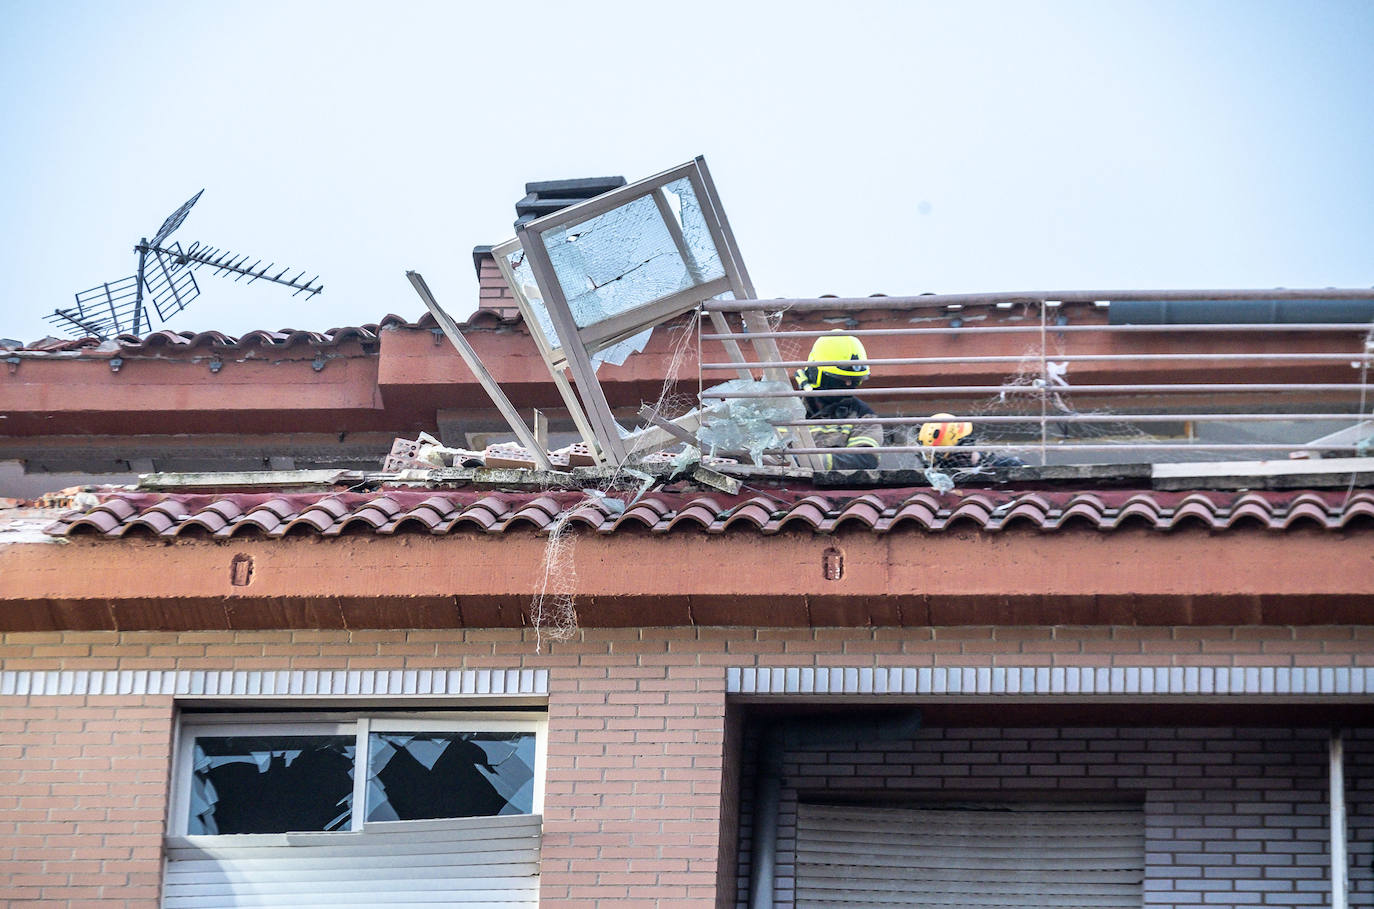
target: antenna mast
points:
(166, 277)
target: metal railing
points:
(1182, 390)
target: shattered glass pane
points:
(449, 774)
(528, 288)
(619, 352)
(271, 784)
(618, 261)
(703, 259)
(746, 424)
(688, 457)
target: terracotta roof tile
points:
(286, 337)
(920, 509)
(701, 514)
(880, 511)
(646, 513)
(756, 511)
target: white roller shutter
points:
(988, 856)
(488, 862)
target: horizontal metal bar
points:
(888, 392)
(1070, 358)
(1034, 328)
(1061, 446)
(1037, 296)
(1099, 418)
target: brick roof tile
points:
(166, 339)
(879, 511)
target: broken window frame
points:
(590, 410)
(359, 725)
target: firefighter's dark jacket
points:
(852, 437)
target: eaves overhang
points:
(1275, 558)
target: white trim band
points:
(296, 682)
(1057, 680)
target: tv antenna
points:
(166, 278)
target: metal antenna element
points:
(174, 219)
(165, 277)
(225, 263)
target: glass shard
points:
(939, 480)
(449, 774)
(618, 353)
(746, 424)
(271, 784)
(703, 259)
(527, 287)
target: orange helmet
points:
(944, 433)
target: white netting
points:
(553, 609)
(1042, 390)
(552, 612)
(1038, 397)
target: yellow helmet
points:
(944, 433)
(834, 347)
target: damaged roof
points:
(285, 337)
(392, 511)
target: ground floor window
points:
(282, 773)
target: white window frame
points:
(360, 723)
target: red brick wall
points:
(83, 792)
(636, 779)
(636, 730)
(492, 290)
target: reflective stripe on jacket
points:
(851, 436)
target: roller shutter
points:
(488, 863)
(986, 856)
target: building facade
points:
(1183, 675)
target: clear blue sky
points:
(859, 147)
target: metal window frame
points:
(589, 407)
(357, 723)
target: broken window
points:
(271, 783)
(649, 248)
(449, 774)
(277, 774)
(594, 279)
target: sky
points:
(859, 147)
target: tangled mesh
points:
(1038, 390)
(553, 608)
(553, 613)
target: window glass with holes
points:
(330, 772)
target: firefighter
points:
(841, 405)
(946, 432)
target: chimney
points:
(492, 292)
(541, 198)
(549, 196)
